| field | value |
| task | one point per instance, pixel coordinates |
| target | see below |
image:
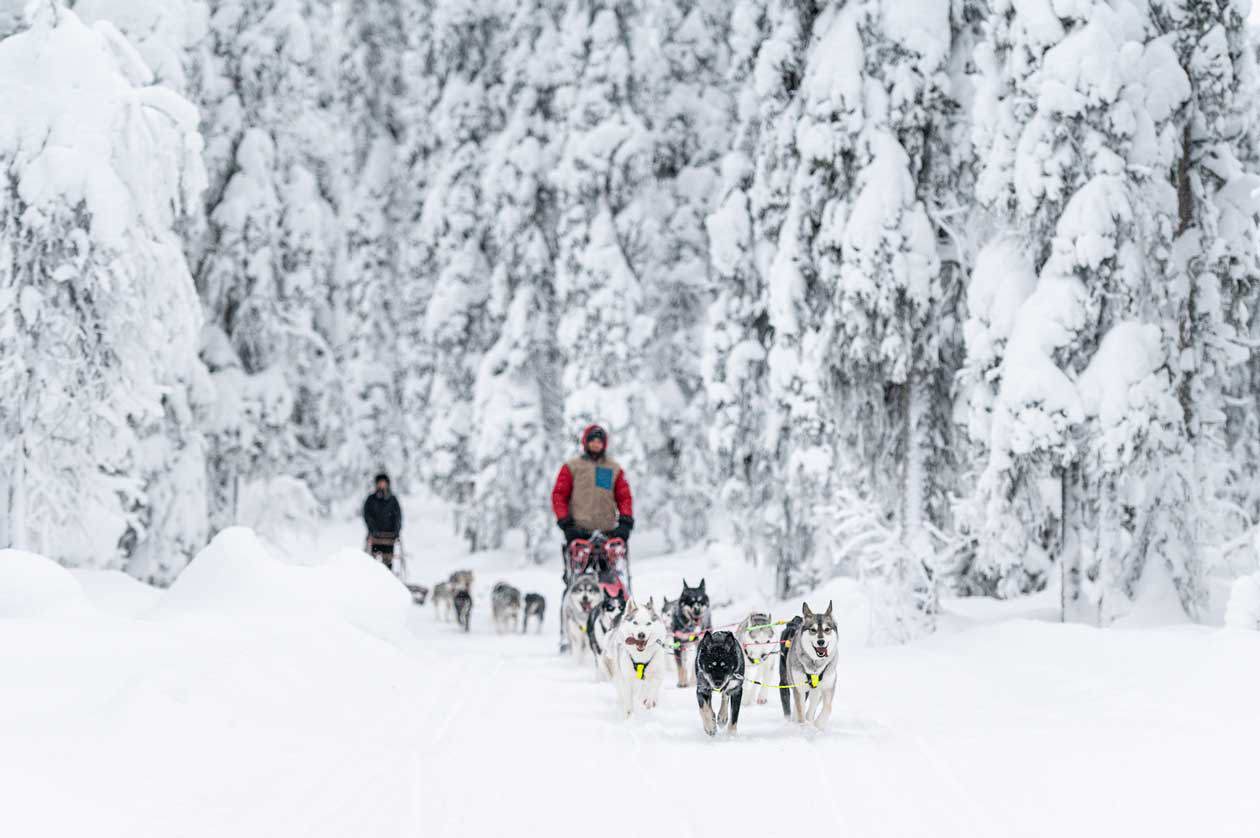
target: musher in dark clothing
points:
(383, 517)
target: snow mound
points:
(1243, 610)
(32, 586)
(114, 592)
(238, 574)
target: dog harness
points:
(641, 668)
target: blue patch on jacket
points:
(603, 478)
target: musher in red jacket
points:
(591, 492)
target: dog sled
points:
(387, 549)
(608, 558)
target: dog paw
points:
(649, 703)
(723, 718)
(710, 729)
(730, 731)
(763, 700)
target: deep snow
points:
(222, 707)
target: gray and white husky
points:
(602, 622)
(443, 603)
(761, 655)
(639, 649)
(580, 598)
(505, 602)
(808, 663)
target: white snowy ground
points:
(259, 698)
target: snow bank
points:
(32, 586)
(1243, 610)
(238, 574)
(114, 592)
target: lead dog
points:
(638, 648)
(761, 649)
(808, 665)
(582, 595)
(461, 580)
(719, 669)
(690, 619)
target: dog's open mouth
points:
(637, 643)
(586, 606)
(821, 650)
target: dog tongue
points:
(822, 651)
(586, 606)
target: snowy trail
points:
(143, 722)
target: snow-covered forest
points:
(951, 296)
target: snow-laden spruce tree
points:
(101, 455)
(268, 274)
(518, 417)
(604, 157)
(458, 327)
(1088, 449)
(1215, 266)
(374, 213)
(736, 332)
(681, 57)
(794, 439)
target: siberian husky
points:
(580, 598)
(463, 608)
(505, 601)
(689, 620)
(535, 607)
(761, 649)
(462, 580)
(443, 604)
(809, 665)
(639, 648)
(719, 669)
(601, 623)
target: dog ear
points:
(685, 585)
(805, 612)
(651, 605)
(828, 614)
(702, 584)
(631, 607)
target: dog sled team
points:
(637, 646)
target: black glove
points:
(625, 524)
(571, 531)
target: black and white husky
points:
(505, 602)
(689, 620)
(809, 665)
(761, 654)
(536, 608)
(719, 669)
(601, 623)
(580, 598)
(638, 648)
